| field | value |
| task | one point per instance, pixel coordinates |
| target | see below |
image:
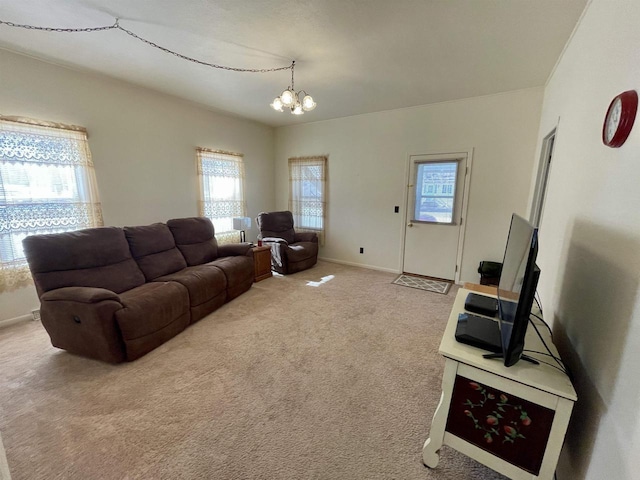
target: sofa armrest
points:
(82, 320)
(306, 237)
(80, 294)
(274, 240)
(233, 249)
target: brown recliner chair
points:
(290, 251)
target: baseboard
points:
(353, 264)
(12, 321)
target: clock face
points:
(613, 119)
(619, 119)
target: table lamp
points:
(242, 224)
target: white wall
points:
(590, 242)
(142, 142)
(368, 157)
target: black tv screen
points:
(517, 287)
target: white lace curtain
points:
(221, 179)
(307, 194)
(47, 185)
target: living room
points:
(143, 144)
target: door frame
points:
(440, 155)
(542, 178)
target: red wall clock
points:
(619, 119)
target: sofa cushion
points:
(306, 237)
(202, 282)
(302, 251)
(195, 237)
(95, 257)
(154, 248)
(237, 269)
(276, 224)
(150, 308)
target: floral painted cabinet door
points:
(509, 427)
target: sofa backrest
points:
(154, 248)
(95, 257)
(276, 224)
(195, 237)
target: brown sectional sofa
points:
(115, 294)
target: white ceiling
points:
(353, 56)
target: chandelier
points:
(299, 102)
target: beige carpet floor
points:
(289, 381)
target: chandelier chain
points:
(117, 26)
(54, 29)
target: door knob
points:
(410, 225)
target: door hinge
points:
(456, 268)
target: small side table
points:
(262, 262)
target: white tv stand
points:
(512, 420)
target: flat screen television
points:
(516, 292)
(517, 288)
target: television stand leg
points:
(431, 448)
(526, 358)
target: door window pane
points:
(435, 192)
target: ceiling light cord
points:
(64, 30)
(117, 26)
(297, 102)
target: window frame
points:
(208, 203)
(296, 186)
(30, 147)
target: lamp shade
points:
(288, 97)
(241, 223)
(277, 104)
(308, 104)
(297, 109)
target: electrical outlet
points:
(361, 249)
(36, 315)
(396, 209)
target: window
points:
(307, 178)
(221, 176)
(434, 177)
(47, 185)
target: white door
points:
(435, 201)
